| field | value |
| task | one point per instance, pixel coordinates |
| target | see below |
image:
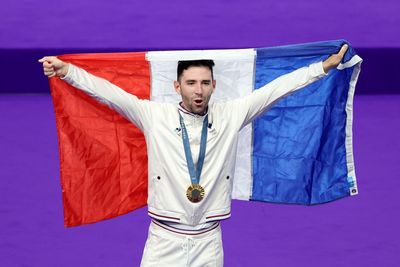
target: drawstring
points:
(187, 245)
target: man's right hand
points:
(52, 66)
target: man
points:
(191, 152)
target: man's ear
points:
(177, 87)
(214, 83)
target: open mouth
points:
(198, 101)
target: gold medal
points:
(195, 193)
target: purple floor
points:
(357, 231)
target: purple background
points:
(30, 29)
(357, 231)
(151, 24)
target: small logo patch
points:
(178, 131)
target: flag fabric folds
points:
(103, 158)
(299, 151)
(302, 149)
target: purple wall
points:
(151, 24)
(30, 29)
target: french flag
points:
(300, 151)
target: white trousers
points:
(166, 247)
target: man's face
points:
(195, 86)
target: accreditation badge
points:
(195, 193)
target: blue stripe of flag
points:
(299, 153)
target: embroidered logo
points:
(178, 131)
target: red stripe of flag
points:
(103, 158)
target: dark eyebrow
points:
(194, 81)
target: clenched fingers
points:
(343, 50)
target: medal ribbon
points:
(194, 172)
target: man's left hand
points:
(334, 60)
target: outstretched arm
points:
(103, 91)
(253, 105)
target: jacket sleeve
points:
(126, 104)
(248, 108)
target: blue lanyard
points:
(194, 172)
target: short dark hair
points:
(185, 64)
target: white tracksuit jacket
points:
(168, 177)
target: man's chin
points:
(198, 110)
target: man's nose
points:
(199, 89)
